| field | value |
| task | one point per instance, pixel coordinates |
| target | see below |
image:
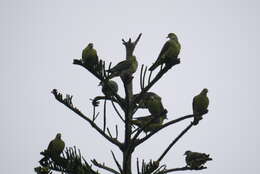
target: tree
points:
(72, 162)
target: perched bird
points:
(169, 52)
(109, 88)
(150, 122)
(147, 96)
(89, 57)
(200, 104)
(153, 103)
(55, 148)
(195, 160)
(124, 68)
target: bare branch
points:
(141, 77)
(163, 126)
(94, 113)
(117, 163)
(95, 101)
(95, 116)
(116, 132)
(102, 166)
(137, 165)
(118, 113)
(58, 96)
(105, 115)
(109, 133)
(138, 38)
(130, 46)
(149, 78)
(181, 169)
(144, 76)
(156, 78)
(175, 141)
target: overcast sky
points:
(220, 39)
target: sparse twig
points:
(58, 96)
(143, 80)
(103, 166)
(156, 78)
(130, 46)
(116, 132)
(181, 169)
(117, 163)
(95, 101)
(162, 127)
(175, 141)
(109, 133)
(118, 113)
(137, 166)
(149, 78)
(104, 115)
(141, 77)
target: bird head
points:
(172, 36)
(58, 136)
(187, 152)
(90, 45)
(204, 91)
(165, 111)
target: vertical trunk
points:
(127, 158)
(127, 152)
(128, 85)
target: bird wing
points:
(195, 104)
(120, 66)
(50, 146)
(160, 57)
(164, 49)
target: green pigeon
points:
(146, 96)
(124, 68)
(153, 123)
(109, 88)
(56, 146)
(169, 52)
(200, 104)
(153, 103)
(89, 57)
(195, 160)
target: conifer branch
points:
(175, 141)
(181, 169)
(162, 127)
(59, 97)
(103, 166)
(117, 163)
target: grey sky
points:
(220, 40)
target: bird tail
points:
(136, 122)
